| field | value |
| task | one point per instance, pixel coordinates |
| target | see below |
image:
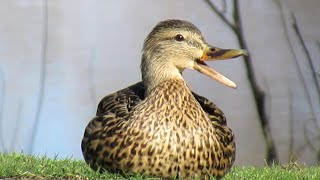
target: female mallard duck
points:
(159, 127)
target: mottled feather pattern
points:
(121, 102)
(167, 137)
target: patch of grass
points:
(18, 166)
(274, 173)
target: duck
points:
(159, 127)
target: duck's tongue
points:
(212, 53)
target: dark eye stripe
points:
(191, 43)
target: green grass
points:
(16, 166)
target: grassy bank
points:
(16, 166)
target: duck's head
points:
(174, 45)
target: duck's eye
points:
(179, 37)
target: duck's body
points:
(159, 127)
(188, 144)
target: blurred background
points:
(59, 58)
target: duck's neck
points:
(157, 71)
(173, 93)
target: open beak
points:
(211, 53)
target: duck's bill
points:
(212, 53)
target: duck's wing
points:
(112, 110)
(115, 107)
(215, 114)
(122, 102)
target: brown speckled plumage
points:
(161, 128)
